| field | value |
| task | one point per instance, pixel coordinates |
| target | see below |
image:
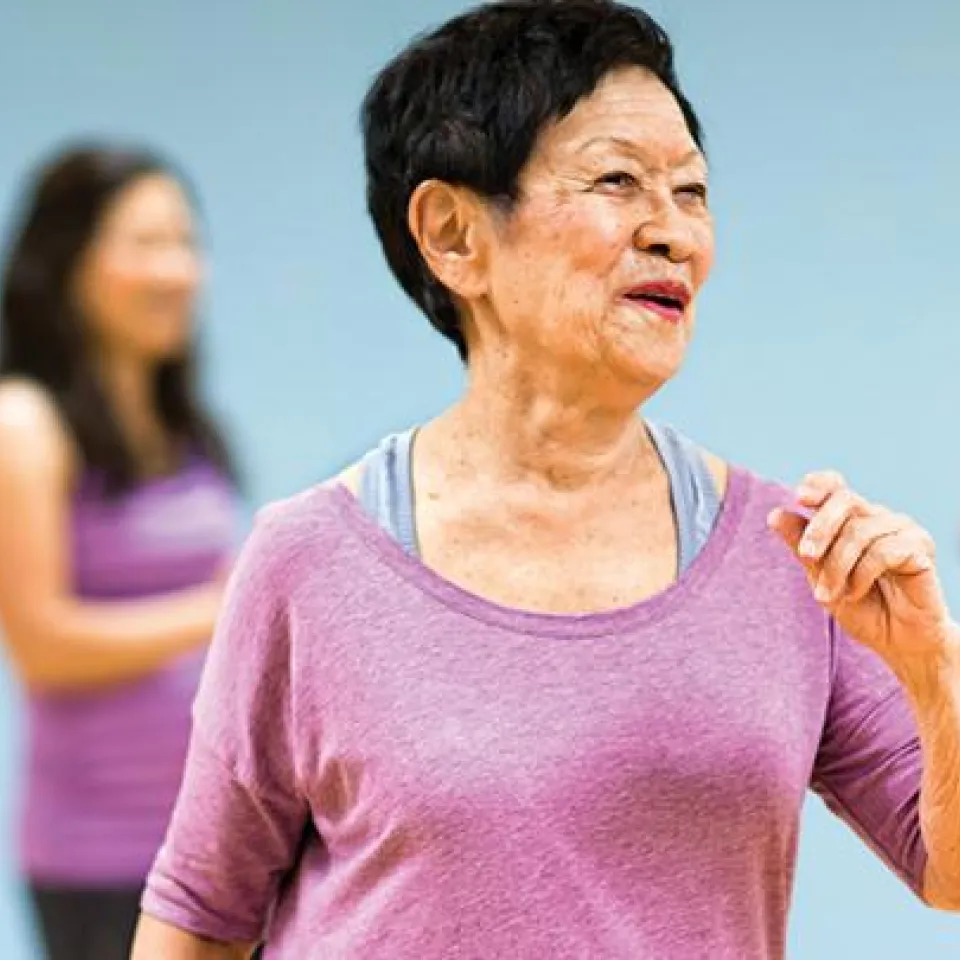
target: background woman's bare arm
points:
(156, 940)
(57, 640)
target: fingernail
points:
(821, 593)
(773, 516)
(807, 548)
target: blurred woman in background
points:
(117, 518)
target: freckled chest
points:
(561, 554)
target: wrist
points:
(934, 676)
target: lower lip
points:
(672, 315)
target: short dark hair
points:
(466, 103)
(41, 336)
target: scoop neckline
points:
(517, 620)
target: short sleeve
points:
(239, 816)
(868, 766)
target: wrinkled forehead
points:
(630, 112)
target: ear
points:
(449, 225)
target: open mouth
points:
(667, 300)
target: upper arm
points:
(868, 767)
(35, 474)
(240, 816)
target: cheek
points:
(103, 292)
(572, 248)
(703, 257)
(121, 291)
(594, 240)
(123, 278)
(592, 236)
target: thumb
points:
(789, 525)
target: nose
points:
(665, 232)
(176, 266)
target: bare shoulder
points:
(33, 436)
(25, 405)
(349, 478)
(719, 470)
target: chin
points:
(165, 351)
(651, 352)
(169, 341)
(648, 368)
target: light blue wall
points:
(829, 336)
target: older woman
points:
(541, 679)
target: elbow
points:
(23, 659)
(34, 661)
(941, 894)
(37, 676)
(44, 681)
(949, 904)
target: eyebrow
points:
(627, 146)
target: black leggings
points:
(83, 923)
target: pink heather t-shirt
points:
(386, 767)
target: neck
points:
(128, 385)
(518, 425)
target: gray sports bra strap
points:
(386, 490)
(696, 500)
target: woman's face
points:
(138, 279)
(598, 265)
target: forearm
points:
(934, 694)
(77, 645)
(157, 940)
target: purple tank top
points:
(103, 768)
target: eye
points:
(150, 241)
(695, 191)
(617, 180)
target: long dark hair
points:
(41, 334)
